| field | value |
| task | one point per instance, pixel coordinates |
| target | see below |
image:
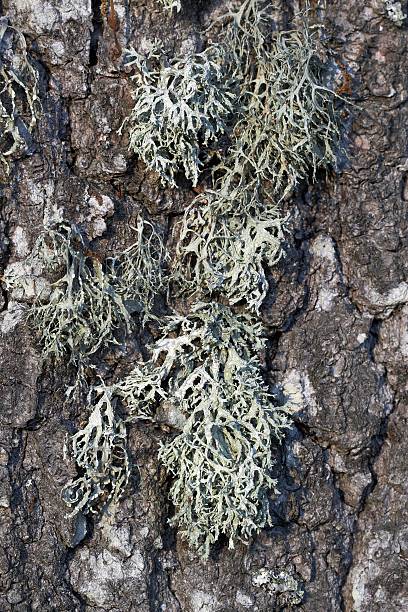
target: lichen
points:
(395, 12)
(138, 271)
(261, 99)
(207, 364)
(100, 454)
(87, 305)
(82, 311)
(283, 584)
(181, 107)
(169, 5)
(227, 237)
(288, 123)
(19, 95)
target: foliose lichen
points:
(227, 238)
(281, 125)
(19, 95)
(207, 364)
(181, 107)
(259, 97)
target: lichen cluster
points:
(227, 238)
(282, 584)
(207, 366)
(262, 91)
(286, 127)
(181, 106)
(88, 303)
(19, 95)
(252, 111)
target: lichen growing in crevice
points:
(395, 12)
(19, 95)
(84, 306)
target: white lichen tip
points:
(395, 12)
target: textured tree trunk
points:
(337, 319)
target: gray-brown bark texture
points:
(337, 316)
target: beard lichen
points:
(181, 107)
(100, 453)
(19, 95)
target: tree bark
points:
(336, 314)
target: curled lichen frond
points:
(142, 390)
(169, 5)
(19, 96)
(100, 454)
(227, 237)
(222, 460)
(180, 108)
(138, 271)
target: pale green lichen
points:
(100, 454)
(227, 237)
(88, 304)
(281, 124)
(138, 271)
(286, 126)
(287, 123)
(19, 95)
(82, 310)
(207, 365)
(181, 107)
(283, 584)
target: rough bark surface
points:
(337, 315)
